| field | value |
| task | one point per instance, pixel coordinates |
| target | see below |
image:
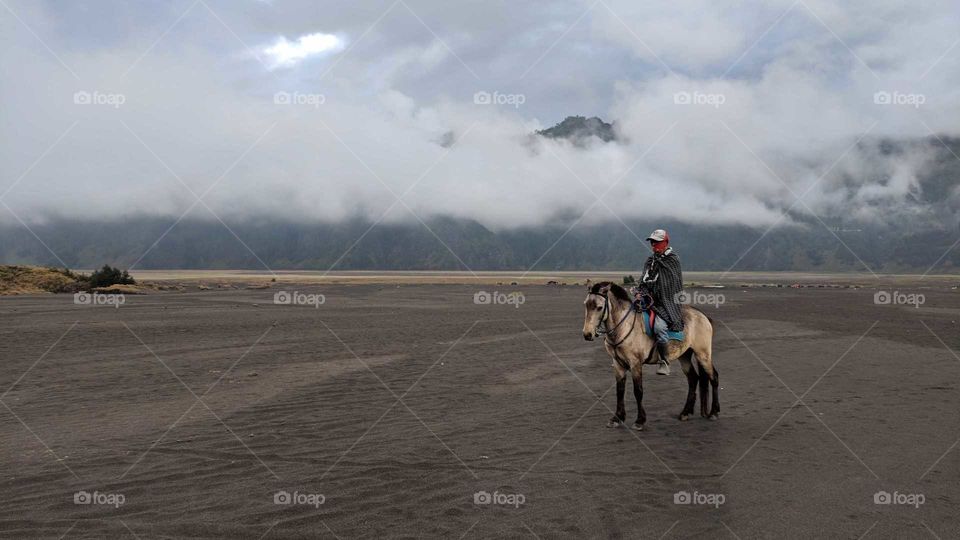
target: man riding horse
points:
(678, 332)
(663, 280)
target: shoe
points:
(664, 368)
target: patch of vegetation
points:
(108, 276)
(37, 280)
(629, 280)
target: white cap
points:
(658, 235)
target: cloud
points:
(286, 53)
(690, 35)
(699, 144)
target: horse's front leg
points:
(621, 414)
(637, 373)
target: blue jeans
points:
(660, 330)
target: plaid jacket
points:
(664, 279)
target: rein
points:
(607, 332)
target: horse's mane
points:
(618, 291)
(622, 294)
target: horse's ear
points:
(605, 288)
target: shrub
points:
(108, 276)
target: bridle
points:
(607, 332)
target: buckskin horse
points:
(609, 311)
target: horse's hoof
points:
(638, 427)
(614, 423)
(684, 417)
(714, 417)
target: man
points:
(664, 281)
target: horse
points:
(609, 311)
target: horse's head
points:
(595, 309)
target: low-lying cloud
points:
(725, 114)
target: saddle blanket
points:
(649, 319)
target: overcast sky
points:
(315, 110)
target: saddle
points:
(648, 317)
(643, 304)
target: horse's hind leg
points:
(687, 366)
(709, 374)
(715, 382)
(704, 389)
